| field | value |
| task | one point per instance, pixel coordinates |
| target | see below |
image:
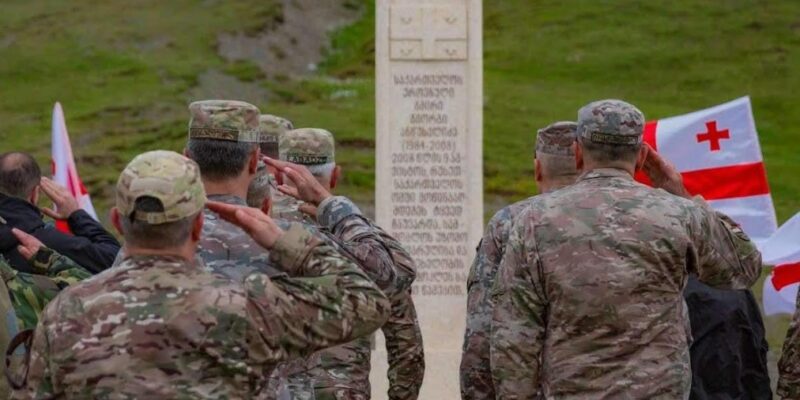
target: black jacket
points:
(729, 352)
(91, 246)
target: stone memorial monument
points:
(429, 184)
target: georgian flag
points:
(718, 153)
(63, 165)
(783, 251)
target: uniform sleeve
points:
(39, 383)
(519, 318)
(789, 364)
(93, 246)
(58, 267)
(364, 240)
(475, 374)
(335, 303)
(30, 293)
(404, 349)
(726, 258)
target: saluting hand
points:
(28, 244)
(305, 187)
(65, 203)
(663, 174)
(258, 225)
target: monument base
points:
(440, 367)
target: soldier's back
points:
(152, 327)
(613, 264)
(227, 249)
(288, 208)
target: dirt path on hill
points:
(296, 46)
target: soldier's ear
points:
(537, 170)
(578, 157)
(197, 227)
(266, 205)
(252, 166)
(34, 197)
(116, 220)
(337, 171)
(641, 158)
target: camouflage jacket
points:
(227, 249)
(161, 327)
(789, 364)
(588, 299)
(288, 208)
(344, 370)
(475, 373)
(30, 293)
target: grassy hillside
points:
(125, 71)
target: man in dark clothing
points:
(21, 181)
(729, 352)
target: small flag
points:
(783, 251)
(63, 165)
(718, 153)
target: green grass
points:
(123, 70)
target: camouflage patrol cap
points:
(271, 127)
(171, 178)
(612, 122)
(309, 146)
(557, 139)
(230, 120)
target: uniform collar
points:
(152, 259)
(605, 173)
(228, 199)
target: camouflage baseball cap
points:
(167, 176)
(557, 139)
(611, 122)
(307, 146)
(230, 120)
(271, 127)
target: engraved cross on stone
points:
(428, 32)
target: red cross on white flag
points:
(713, 136)
(717, 152)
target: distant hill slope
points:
(125, 72)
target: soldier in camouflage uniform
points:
(260, 191)
(224, 140)
(318, 158)
(272, 128)
(308, 163)
(263, 190)
(554, 169)
(789, 364)
(160, 325)
(588, 300)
